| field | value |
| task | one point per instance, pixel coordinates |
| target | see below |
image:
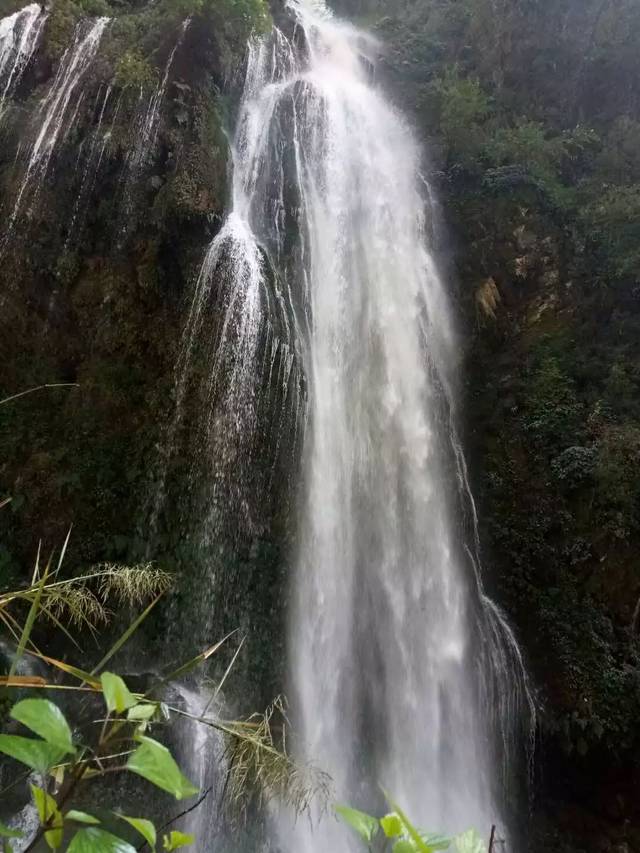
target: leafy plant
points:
(396, 833)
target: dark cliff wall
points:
(98, 264)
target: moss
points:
(60, 27)
(133, 70)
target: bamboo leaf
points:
(127, 634)
(45, 719)
(197, 660)
(31, 617)
(22, 681)
(71, 670)
(8, 832)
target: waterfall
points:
(399, 662)
(402, 671)
(54, 118)
(19, 35)
(384, 634)
(250, 348)
(149, 119)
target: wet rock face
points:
(97, 259)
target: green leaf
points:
(434, 841)
(146, 829)
(116, 693)
(409, 828)
(37, 754)
(125, 637)
(81, 817)
(31, 616)
(404, 846)
(177, 839)
(94, 840)
(469, 842)
(49, 816)
(154, 762)
(7, 832)
(391, 825)
(365, 825)
(45, 719)
(141, 712)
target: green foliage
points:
(45, 719)
(365, 825)
(553, 409)
(463, 110)
(134, 70)
(95, 840)
(174, 840)
(612, 222)
(399, 835)
(154, 762)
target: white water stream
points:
(55, 117)
(19, 36)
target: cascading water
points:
(55, 107)
(396, 653)
(383, 626)
(19, 35)
(402, 671)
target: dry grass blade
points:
(259, 765)
(259, 762)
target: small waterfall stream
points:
(19, 36)
(55, 118)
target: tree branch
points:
(178, 816)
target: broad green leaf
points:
(409, 828)
(141, 712)
(7, 832)
(434, 841)
(116, 693)
(93, 840)
(37, 754)
(391, 825)
(177, 839)
(154, 762)
(49, 816)
(470, 842)
(404, 846)
(45, 719)
(365, 825)
(146, 829)
(81, 817)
